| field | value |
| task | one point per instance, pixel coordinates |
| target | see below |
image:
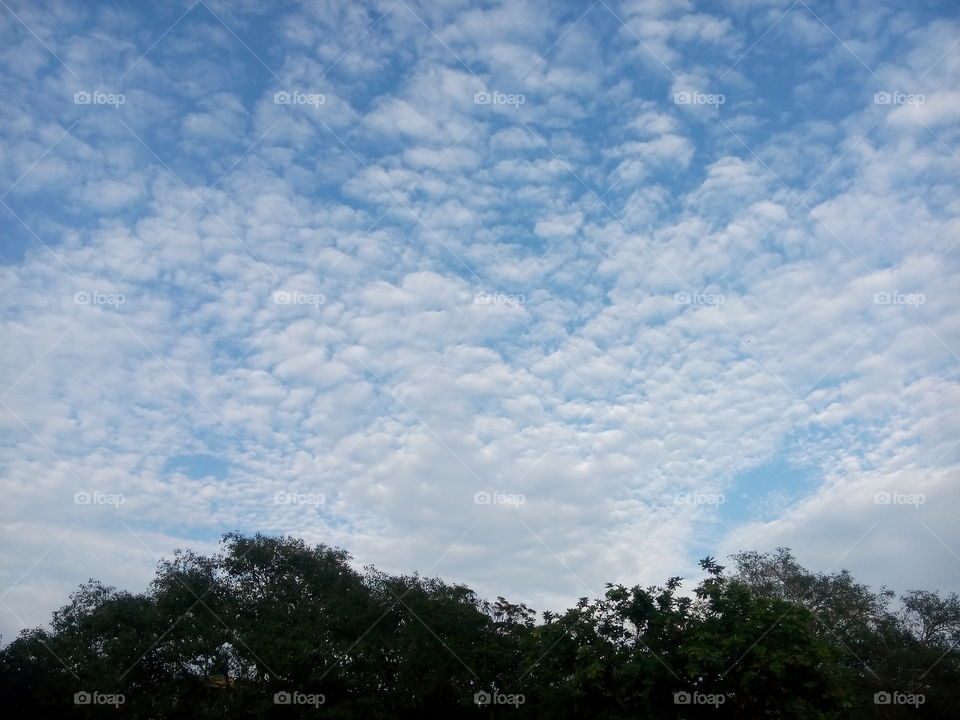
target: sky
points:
(533, 296)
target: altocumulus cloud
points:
(317, 269)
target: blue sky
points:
(533, 295)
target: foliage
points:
(270, 619)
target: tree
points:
(272, 627)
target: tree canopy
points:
(271, 627)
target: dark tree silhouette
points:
(270, 627)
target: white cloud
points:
(596, 300)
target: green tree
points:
(268, 619)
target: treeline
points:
(271, 627)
